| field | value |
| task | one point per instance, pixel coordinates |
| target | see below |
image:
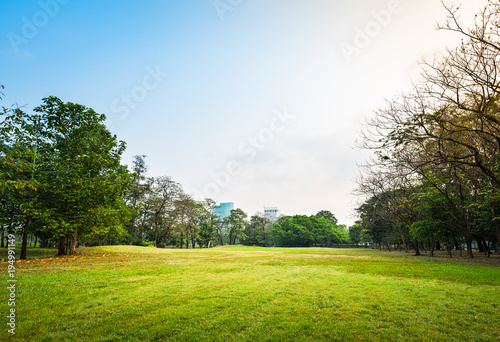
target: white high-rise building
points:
(271, 213)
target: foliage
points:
(358, 234)
(236, 225)
(437, 147)
(305, 231)
(257, 231)
(61, 166)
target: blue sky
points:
(254, 102)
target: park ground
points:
(127, 293)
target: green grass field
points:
(124, 293)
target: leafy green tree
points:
(186, 210)
(207, 223)
(164, 195)
(236, 225)
(107, 224)
(305, 231)
(357, 233)
(136, 197)
(435, 217)
(66, 169)
(327, 215)
(19, 176)
(377, 221)
(83, 161)
(257, 231)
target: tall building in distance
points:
(271, 213)
(223, 210)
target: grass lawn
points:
(125, 293)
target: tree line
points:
(434, 179)
(63, 183)
(321, 229)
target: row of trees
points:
(321, 229)
(436, 173)
(161, 212)
(306, 231)
(164, 214)
(62, 181)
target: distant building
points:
(223, 210)
(271, 213)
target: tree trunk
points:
(417, 250)
(495, 221)
(480, 246)
(468, 241)
(3, 233)
(72, 243)
(431, 247)
(36, 240)
(486, 248)
(67, 244)
(62, 246)
(24, 246)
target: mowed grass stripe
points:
(125, 293)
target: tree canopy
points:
(436, 174)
